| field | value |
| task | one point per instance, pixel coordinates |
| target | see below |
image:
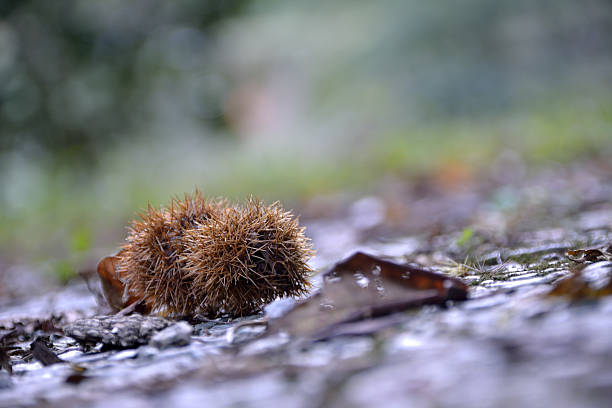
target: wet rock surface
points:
(118, 331)
(512, 343)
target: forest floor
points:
(533, 247)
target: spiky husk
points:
(245, 257)
(151, 262)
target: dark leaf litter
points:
(364, 287)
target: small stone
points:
(123, 355)
(178, 334)
(147, 352)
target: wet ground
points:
(512, 343)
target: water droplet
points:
(380, 287)
(361, 280)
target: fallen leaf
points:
(114, 288)
(591, 254)
(42, 353)
(111, 285)
(363, 287)
(586, 282)
(5, 360)
(76, 378)
(364, 327)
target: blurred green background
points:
(107, 105)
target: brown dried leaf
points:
(586, 282)
(363, 287)
(113, 286)
(42, 353)
(5, 360)
(590, 254)
(76, 378)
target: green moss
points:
(68, 214)
(64, 271)
(526, 259)
(465, 237)
(81, 239)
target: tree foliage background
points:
(107, 104)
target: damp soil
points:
(506, 235)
